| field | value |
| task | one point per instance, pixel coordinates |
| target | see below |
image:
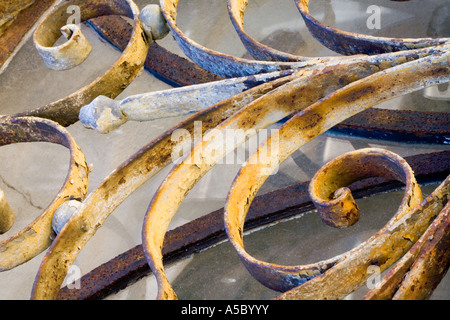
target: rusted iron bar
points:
(348, 43)
(383, 124)
(173, 69)
(398, 125)
(191, 238)
(21, 25)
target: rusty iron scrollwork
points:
(309, 96)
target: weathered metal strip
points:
(105, 115)
(115, 80)
(130, 266)
(22, 24)
(348, 43)
(37, 236)
(218, 63)
(398, 125)
(174, 70)
(120, 184)
(433, 243)
(299, 130)
(431, 264)
(259, 51)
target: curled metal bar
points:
(321, 93)
(208, 230)
(382, 124)
(37, 236)
(293, 95)
(65, 111)
(120, 184)
(307, 124)
(222, 64)
(348, 43)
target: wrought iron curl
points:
(315, 93)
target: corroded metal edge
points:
(218, 63)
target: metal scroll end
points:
(69, 54)
(102, 114)
(153, 22)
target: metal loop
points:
(37, 236)
(348, 43)
(259, 51)
(118, 186)
(69, 54)
(329, 187)
(218, 63)
(299, 130)
(115, 80)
